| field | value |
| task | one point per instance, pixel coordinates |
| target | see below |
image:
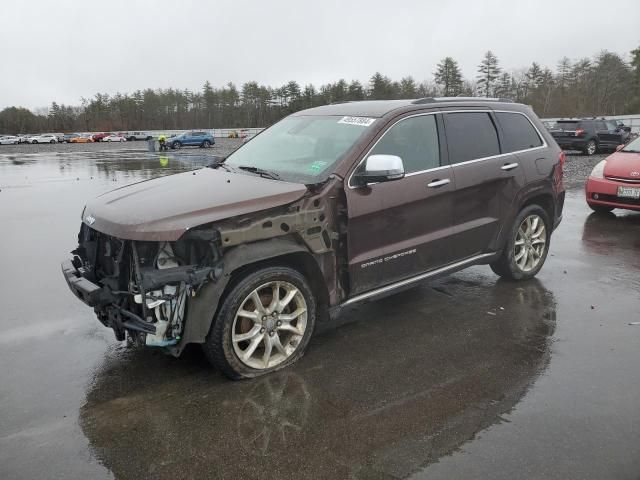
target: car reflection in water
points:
(395, 385)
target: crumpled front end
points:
(141, 288)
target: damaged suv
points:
(329, 207)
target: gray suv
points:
(329, 207)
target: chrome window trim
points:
(422, 114)
(467, 162)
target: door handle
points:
(439, 183)
(509, 166)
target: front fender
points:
(202, 307)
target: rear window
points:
(470, 136)
(561, 125)
(518, 132)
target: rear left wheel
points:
(264, 324)
(591, 148)
(527, 247)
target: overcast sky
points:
(63, 50)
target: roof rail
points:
(421, 101)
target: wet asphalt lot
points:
(466, 377)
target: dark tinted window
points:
(600, 125)
(415, 140)
(470, 136)
(197, 134)
(564, 125)
(518, 132)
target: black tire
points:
(218, 347)
(35, 141)
(591, 148)
(601, 209)
(206, 144)
(506, 266)
(176, 145)
(52, 141)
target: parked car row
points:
(200, 138)
(74, 137)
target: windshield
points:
(301, 149)
(632, 146)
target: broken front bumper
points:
(101, 298)
(87, 291)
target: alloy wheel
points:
(530, 244)
(269, 325)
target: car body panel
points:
(158, 209)
(623, 165)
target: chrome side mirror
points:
(380, 168)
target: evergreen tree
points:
(489, 71)
(448, 77)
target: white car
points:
(44, 138)
(114, 138)
(132, 136)
(9, 140)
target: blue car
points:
(198, 138)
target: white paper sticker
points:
(362, 121)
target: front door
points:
(399, 228)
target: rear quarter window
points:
(518, 132)
(470, 136)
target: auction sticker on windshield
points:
(362, 121)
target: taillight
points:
(579, 132)
(561, 159)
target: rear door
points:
(486, 181)
(398, 229)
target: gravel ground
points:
(578, 167)
(223, 146)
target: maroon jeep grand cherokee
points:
(330, 206)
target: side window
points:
(470, 135)
(518, 132)
(601, 126)
(415, 140)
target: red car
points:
(615, 181)
(97, 137)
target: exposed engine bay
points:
(145, 285)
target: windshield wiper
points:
(260, 171)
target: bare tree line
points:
(602, 85)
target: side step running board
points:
(423, 276)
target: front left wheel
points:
(264, 323)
